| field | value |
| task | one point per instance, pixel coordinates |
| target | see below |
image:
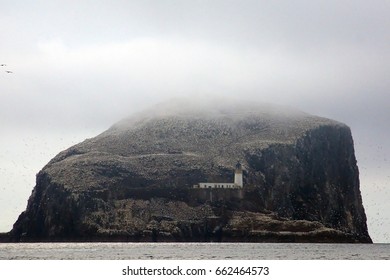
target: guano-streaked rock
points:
(134, 181)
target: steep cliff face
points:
(134, 181)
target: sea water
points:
(195, 251)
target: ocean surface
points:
(195, 251)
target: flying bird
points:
(9, 72)
(3, 64)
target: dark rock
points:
(5, 237)
(134, 181)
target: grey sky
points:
(80, 66)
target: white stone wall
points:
(238, 182)
(217, 186)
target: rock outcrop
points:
(134, 181)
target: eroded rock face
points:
(134, 181)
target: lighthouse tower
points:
(238, 175)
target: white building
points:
(238, 181)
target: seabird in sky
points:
(9, 72)
(3, 64)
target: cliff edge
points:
(134, 182)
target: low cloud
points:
(109, 81)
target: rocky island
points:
(135, 181)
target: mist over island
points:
(219, 170)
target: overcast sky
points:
(80, 66)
